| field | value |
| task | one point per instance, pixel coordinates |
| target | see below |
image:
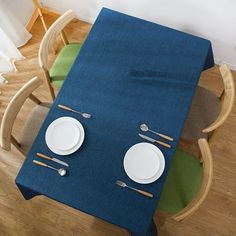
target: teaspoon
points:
(61, 171)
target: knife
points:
(154, 140)
(52, 159)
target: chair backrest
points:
(13, 109)
(205, 182)
(51, 35)
(227, 99)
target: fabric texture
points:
(204, 111)
(63, 63)
(122, 85)
(32, 125)
(182, 183)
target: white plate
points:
(144, 163)
(64, 136)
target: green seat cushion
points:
(63, 63)
(183, 182)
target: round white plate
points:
(64, 135)
(144, 163)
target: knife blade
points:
(60, 162)
(52, 159)
(154, 140)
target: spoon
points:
(85, 115)
(145, 128)
(61, 171)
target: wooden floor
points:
(42, 216)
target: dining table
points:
(129, 71)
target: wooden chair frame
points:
(13, 108)
(47, 43)
(38, 7)
(227, 97)
(205, 183)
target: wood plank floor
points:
(42, 216)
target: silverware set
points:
(144, 128)
(61, 171)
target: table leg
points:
(152, 231)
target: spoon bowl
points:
(144, 127)
(86, 115)
(61, 172)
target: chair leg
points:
(48, 79)
(35, 99)
(17, 145)
(212, 137)
(15, 142)
(222, 94)
(200, 159)
(52, 92)
(64, 38)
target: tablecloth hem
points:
(26, 192)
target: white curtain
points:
(12, 35)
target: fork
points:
(124, 185)
(85, 115)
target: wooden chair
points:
(33, 122)
(208, 112)
(61, 67)
(187, 184)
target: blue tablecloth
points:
(129, 71)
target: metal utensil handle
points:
(40, 163)
(72, 110)
(144, 193)
(163, 144)
(78, 112)
(53, 168)
(43, 156)
(64, 107)
(162, 135)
